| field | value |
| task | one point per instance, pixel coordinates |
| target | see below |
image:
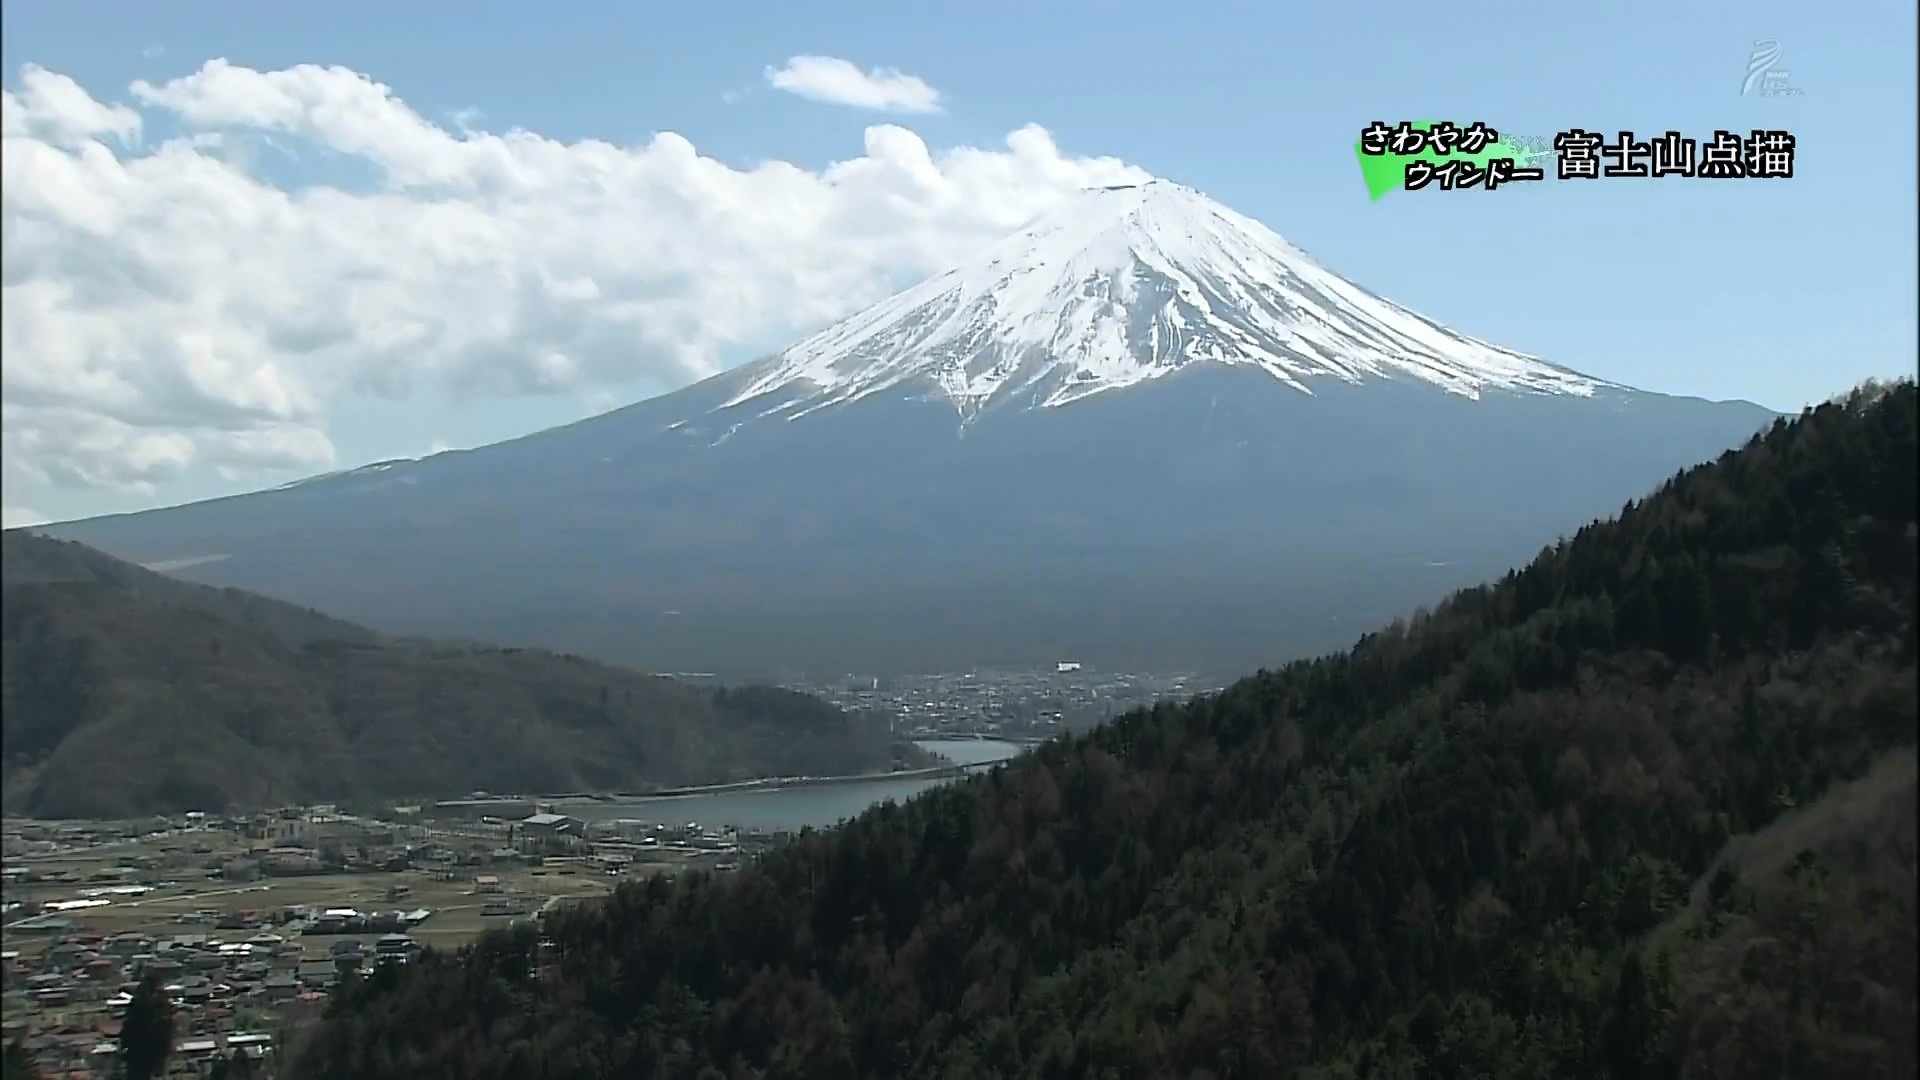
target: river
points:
(816, 805)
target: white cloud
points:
(597, 401)
(19, 517)
(55, 110)
(841, 82)
(167, 307)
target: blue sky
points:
(1781, 292)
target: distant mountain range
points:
(128, 692)
(1143, 431)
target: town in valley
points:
(250, 919)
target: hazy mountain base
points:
(1210, 521)
(189, 698)
(1437, 855)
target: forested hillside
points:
(192, 698)
(1524, 835)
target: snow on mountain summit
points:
(1125, 284)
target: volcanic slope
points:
(1143, 432)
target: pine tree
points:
(1623, 1045)
(17, 1064)
(146, 1032)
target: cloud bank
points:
(19, 517)
(841, 82)
(168, 306)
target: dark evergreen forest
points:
(1641, 809)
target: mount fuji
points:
(1125, 285)
(1143, 431)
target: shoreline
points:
(768, 783)
(773, 783)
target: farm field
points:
(176, 895)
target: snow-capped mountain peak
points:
(1122, 285)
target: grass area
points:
(192, 902)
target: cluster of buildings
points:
(612, 845)
(244, 980)
(238, 991)
(65, 1003)
(239, 979)
(1010, 704)
(526, 826)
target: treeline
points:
(1468, 847)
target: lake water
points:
(970, 751)
(817, 806)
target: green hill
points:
(1467, 847)
(127, 692)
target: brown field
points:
(457, 907)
